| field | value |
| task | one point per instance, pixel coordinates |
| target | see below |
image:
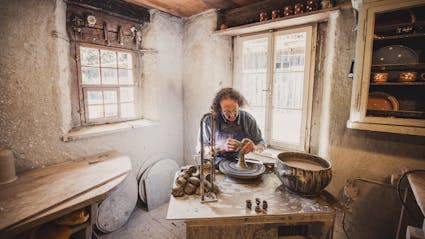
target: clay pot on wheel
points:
(302, 173)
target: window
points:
(274, 71)
(106, 84)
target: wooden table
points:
(287, 214)
(417, 183)
(42, 195)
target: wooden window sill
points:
(104, 129)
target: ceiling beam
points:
(221, 4)
(180, 8)
(126, 10)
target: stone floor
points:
(152, 224)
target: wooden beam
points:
(250, 13)
(180, 8)
(117, 8)
(221, 4)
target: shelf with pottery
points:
(397, 113)
(420, 83)
(394, 67)
(389, 76)
(281, 22)
(396, 37)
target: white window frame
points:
(82, 89)
(311, 31)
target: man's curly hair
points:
(227, 93)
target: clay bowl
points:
(380, 77)
(302, 173)
(407, 76)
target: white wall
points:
(207, 68)
(35, 89)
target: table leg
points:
(88, 232)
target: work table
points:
(230, 216)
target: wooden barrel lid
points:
(157, 183)
(115, 210)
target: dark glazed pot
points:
(302, 173)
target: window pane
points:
(255, 55)
(89, 56)
(127, 94)
(111, 110)
(94, 97)
(290, 52)
(288, 88)
(125, 76)
(125, 60)
(108, 58)
(127, 110)
(110, 96)
(109, 76)
(95, 111)
(90, 75)
(254, 78)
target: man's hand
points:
(247, 146)
(232, 144)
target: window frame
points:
(82, 89)
(309, 67)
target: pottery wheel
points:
(231, 168)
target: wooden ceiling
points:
(186, 8)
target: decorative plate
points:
(394, 54)
(382, 101)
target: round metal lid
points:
(232, 168)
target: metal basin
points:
(302, 173)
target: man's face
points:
(229, 109)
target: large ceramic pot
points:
(302, 173)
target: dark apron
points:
(225, 131)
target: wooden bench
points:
(45, 194)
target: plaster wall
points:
(35, 89)
(207, 68)
(353, 153)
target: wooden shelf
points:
(417, 182)
(398, 83)
(404, 36)
(282, 22)
(399, 114)
(388, 128)
(395, 26)
(395, 67)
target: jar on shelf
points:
(299, 8)
(312, 5)
(263, 16)
(275, 14)
(288, 10)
